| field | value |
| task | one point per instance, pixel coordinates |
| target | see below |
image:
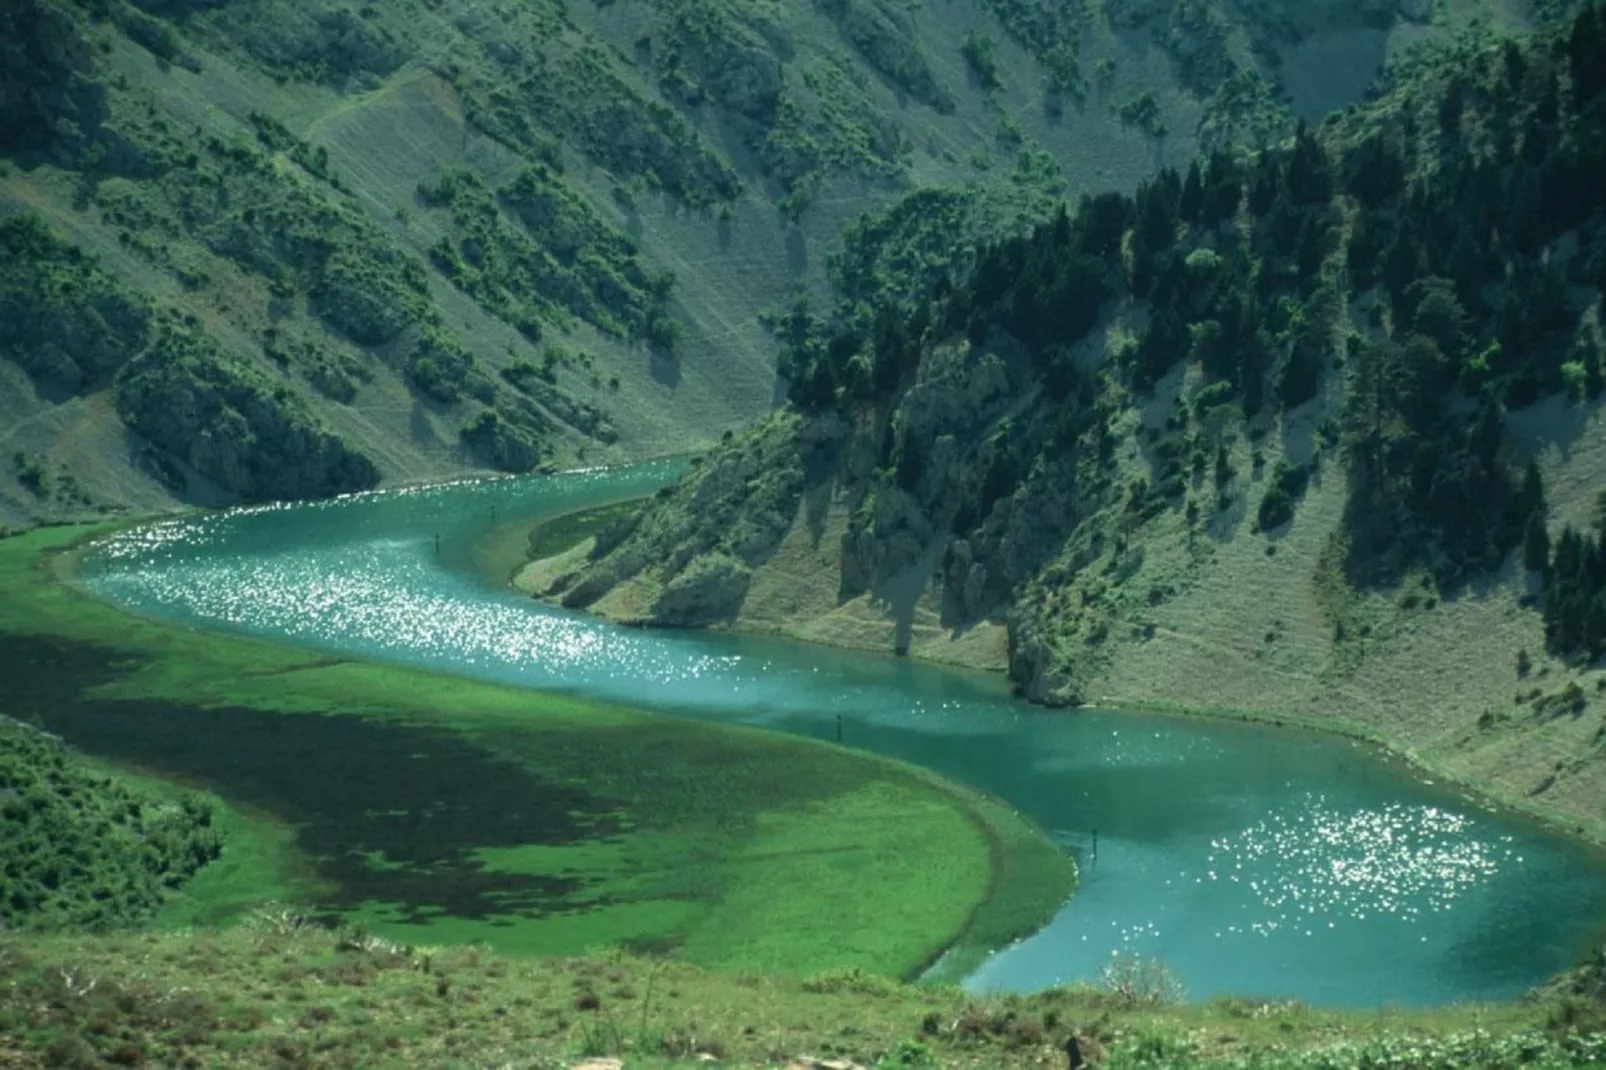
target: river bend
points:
(1253, 860)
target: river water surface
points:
(1253, 860)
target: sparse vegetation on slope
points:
(74, 327)
(256, 165)
(230, 424)
(62, 318)
(560, 262)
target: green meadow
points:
(434, 810)
(416, 870)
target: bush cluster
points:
(533, 252)
(79, 849)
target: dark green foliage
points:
(1286, 486)
(1051, 32)
(62, 318)
(1300, 376)
(1375, 170)
(71, 325)
(535, 251)
(825, 122)
(500, 443)
(338, 48)
(276, 137)
(1222, 471)
(1044, 288)
(1143, 112)
(1536, 544)
(1585, 44)
(1426, 483)
(1453, 241)
(712, 51)
(1575, 594)
(334, 375)
(523, 375)
(81, 850)
(444, 370)
(370, 294)
(577, 94)
(280, 225)
(981, 55)
(883, 35)
(230, 426)
(891, 268)
(49, 101)
(1449, 244)
(31, 474)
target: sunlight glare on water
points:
(1252, 860)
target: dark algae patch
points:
(437, 810)
(386, 811)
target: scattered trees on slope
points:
(1457, 220)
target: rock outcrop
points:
(227, 425)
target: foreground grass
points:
(275, 991)
(436, 810)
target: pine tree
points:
(1536, 544)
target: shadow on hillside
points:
(899, 595)
(1553, 422)
(797, 251)
(664, 367)
(817, 507)
(419, 426)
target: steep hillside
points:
(405, 240)
(1313, 432)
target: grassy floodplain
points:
(435, 810)
(448, 812)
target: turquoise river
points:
(1252, 860)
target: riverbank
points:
(437, 809)
(1232, 654)
(795, 597)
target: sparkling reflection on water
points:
(1254, 861)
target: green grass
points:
(277, 992)
(1024, 864)
(437, 810)
(553, 537)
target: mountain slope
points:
(1299, 432)
(469, 237)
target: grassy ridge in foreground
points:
(276, 992)
(437, 810)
